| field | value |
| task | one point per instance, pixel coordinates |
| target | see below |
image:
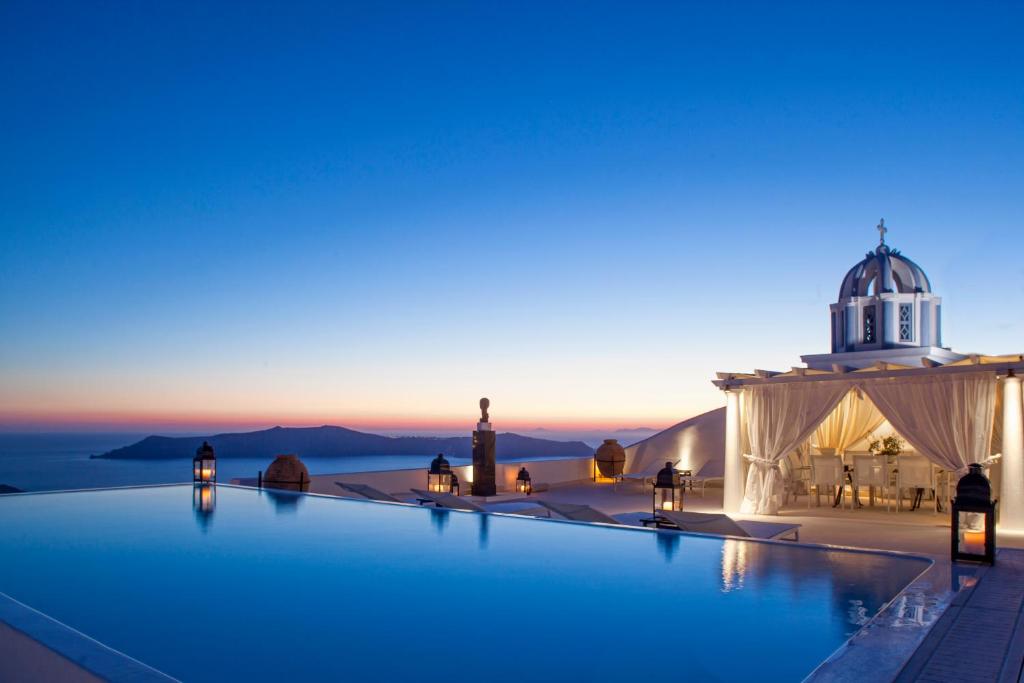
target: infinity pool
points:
(291, 587)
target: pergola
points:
(957, 413)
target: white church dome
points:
(884, 270)
(885, 303)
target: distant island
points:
(331, 442)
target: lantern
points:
(439, 476)
(668, 490)
(523, 483)
(455, 484)
(204, 465)
(973, 526)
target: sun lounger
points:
(709, 472)
(721, 525)
(578, 513)
(447, 500)
(367, 492)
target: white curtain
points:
(853, 419)
(779, 418)
(948, 419)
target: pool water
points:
(279, 586)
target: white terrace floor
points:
(922, 531)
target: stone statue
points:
(484, 405)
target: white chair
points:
(914, 472)
(795, 477)
(871, 471)
(826, 472)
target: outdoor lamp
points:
(973, 526)
(668, 490)
(455, 484)
(204, 465)
(439, 476)
(523, 483)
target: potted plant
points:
(891, 445)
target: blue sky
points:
(292, 213)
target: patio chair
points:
(448, 501)
(794, 477)
(710, 471)
(871, 471)
(367, 492)
(722, 525)
(826, 473)
(915, 472)
(578, 513)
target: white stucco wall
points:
(692, 444)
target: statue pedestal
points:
(484, 482)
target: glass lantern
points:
(668, 490)
(455, 484)
(523, 483)
(439, 476)
(973, 523)
(204, 465)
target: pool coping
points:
(82, 651)
(879, 649)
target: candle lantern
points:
(455, 484)
(668, 490)
(439, 476)
(973, 524)
(204, 465)
(523, 483)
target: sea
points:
(57, 462)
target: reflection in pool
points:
(323, 588)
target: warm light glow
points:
(666, 505)
(973, 542)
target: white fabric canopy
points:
(948, 419)
(779, 418)
(853, 419)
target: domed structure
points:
(287, 472)
(885, 302)
(884, 270)
(886, 312)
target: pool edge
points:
(63, 647)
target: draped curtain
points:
(852, 420)
(779, 417)
(948, 419)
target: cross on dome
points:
(881, 231)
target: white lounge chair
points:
(578, 513)
(447, 500)
(722, 525)
(711, 471)
(367, 492)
